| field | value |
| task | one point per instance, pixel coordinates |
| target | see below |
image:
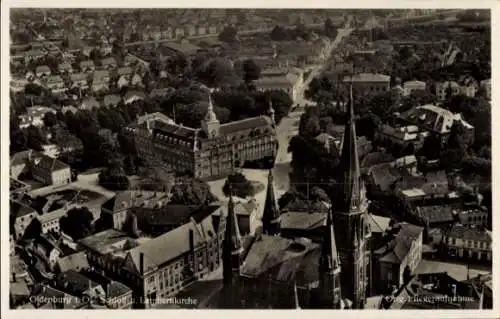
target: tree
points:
(18, 138)
(191, 192)
(50, 119)
(35, 138)
(330, 30)
(279, 34)
(217, 72)
(319, 194)
(228, 35)
(309, 126)
(239, 184)
(251, 71)
(177, 64)
(112, 180)
(77, 223)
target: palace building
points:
(212, 151)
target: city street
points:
(289, 125)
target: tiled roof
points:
(75, 282)
(47, 163)
(99, 75)
(378, 224)
(299, 220)
(134, 95)
(19, 288)
(18, 209)
(368, 77)
(246, 124)
(175, 215)
(78, 77)
(397, 249)
(466, 233)
(175, 130)
(20, 158)
(127, 199)
(87, 63)
(42, 68)
(111, 99)
(107, 61)
(169, 246)
(289, 79)
(101, 241)
(76, 261)
(124, 71)
(54, 79)
(116, 289)
(184, 47)
(283, 259)
(436, 214)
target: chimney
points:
(191, 240)
(141, 263)
(135, 228)
(454, 290)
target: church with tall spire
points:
(271, 210)
(232, 248)
(350, 217)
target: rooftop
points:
(368, 77)
(162, 249)
(436, 213)
(110, 241)
(282, 259)
(300, 220)
(468, 233)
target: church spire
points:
(349, 161)
(210, 116)
(210, 123)
(271, 112)
(231, 245)
(271, 211)
(296, 295)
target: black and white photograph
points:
(211, 158)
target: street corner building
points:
(211, 152)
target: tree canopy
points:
(239, 184)
(77, 223)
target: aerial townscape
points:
(250, 159)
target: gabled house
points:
(109, 63)
(55, 84)
(396, 261)
(89, 104)
(132, 96)
(21, 216)
(87, 66)
(65, 68)
(100, 80)
(34, 116)
(447, 89)
(78, 285)
(469, 85)
(111, 100)
(43, 71)
(79, 80)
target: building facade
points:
(213, 151)
(397, 260)
(468, 243)
(369, 82)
